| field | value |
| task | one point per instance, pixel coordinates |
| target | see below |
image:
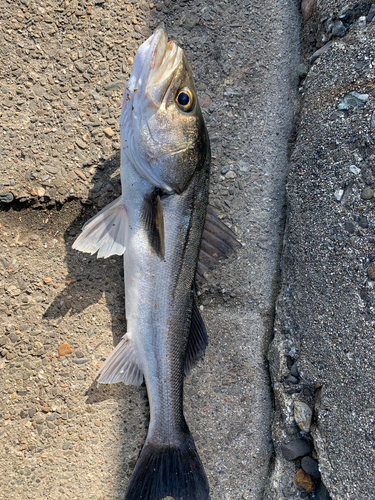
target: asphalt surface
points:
(63, 71)
(323, 354)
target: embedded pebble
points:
(338, 194)
(310, 466)
(367, 193)
(371, 271)
(295, 449)
(304, 480)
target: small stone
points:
(97, 423)
(338, 194)
(367, 193)
(355, 170)
(81, 67)
(109, 132)
(338, 29)
(304, 480)
(349, 226)
(321, 492)
(81, 144)
(290, 379)
(231, 175)
(6, 197)
(65, 349)
(190, 21)
(224, 170)
(81, 361)
(371, 271)
(32, 412)
(307, 8)
(294, 370)
(39, 419)
(296, 448)
(301, 71)
(40, 192)
(66, 445)
(362, 21)
(310, 466)
(13, 337)
(302, 415)
(4, 340)
(80, 174)
(97, 187)
(51, 169)
(363, 222)
(79, 353)
(371, 13)
(205, 101)
(47, 280)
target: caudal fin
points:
(163, 471)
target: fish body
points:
(157, 223)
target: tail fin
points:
(163, 471)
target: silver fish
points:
(159, 220)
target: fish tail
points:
(162, 471)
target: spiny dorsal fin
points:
(121, 365)
(217, 241)
(106, 231)
(197, 341)
(152, 217)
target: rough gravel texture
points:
(63, 71)
(323, 350)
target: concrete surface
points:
(63, 68)
(324, 328)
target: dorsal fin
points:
(217, 241)
(153, 222)
(197, 341)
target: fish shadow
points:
(90, 278)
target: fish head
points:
(161, 122)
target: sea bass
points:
(157, 223)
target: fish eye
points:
(185, 99)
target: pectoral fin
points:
(153, 222)
(197, 341)
(217, 241)
(121, 366)
(106, 231)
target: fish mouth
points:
(154, 67)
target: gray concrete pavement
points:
(322, 353)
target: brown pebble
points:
(46, 409)
(307, 8)
(80, 174)
(47, 280)
(304, 480)
(371, 271)
(108, 132)
(205, 101)
(65, 349)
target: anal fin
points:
(197, 341)
(121, 365)
(106, 231)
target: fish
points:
(169, 236)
